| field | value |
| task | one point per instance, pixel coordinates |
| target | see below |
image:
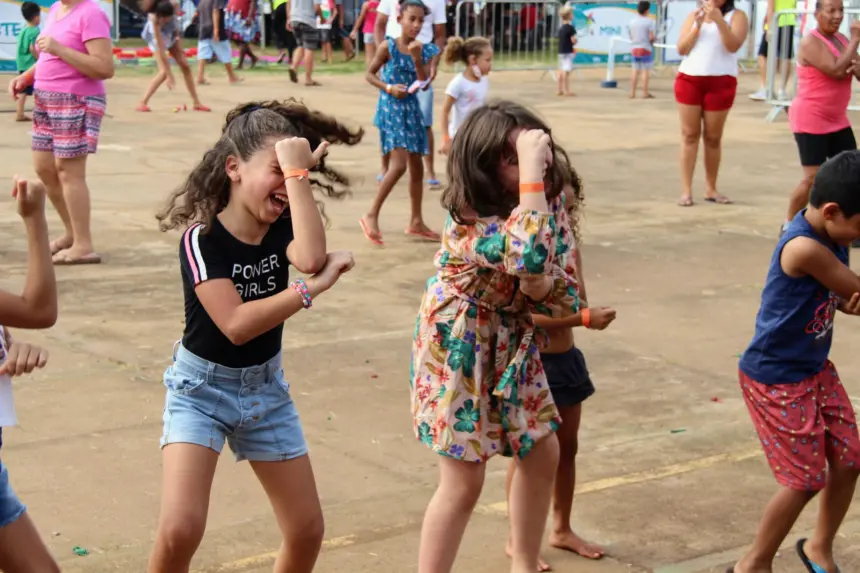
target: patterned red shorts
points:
(803, 427)
(67, 125)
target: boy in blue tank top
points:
(800, 409)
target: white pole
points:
(610, 66)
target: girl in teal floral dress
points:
(478, 388)
(402, 134)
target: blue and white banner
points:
(596, 23)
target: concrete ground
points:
(671, 476)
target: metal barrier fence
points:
(523, 34)
(777, 98)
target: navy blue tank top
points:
(794, 326)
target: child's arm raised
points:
(307, 250)
(804, 256)
(36, 307)
(242, 322)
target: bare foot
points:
(570, 541)
(422, 231)
(632, 96)
(202, 82)
(75, 256)
(236, 80)
(61, 244)
(23, 118)
(569, 94)
(542, 565)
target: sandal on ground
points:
(312, 84)
(143, 107)
(64, 259)
(719, 200)
(810, 565)
(201, 107)
(434, 183)
(294, 77)
(685, 202)
(374, 237)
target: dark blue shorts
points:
(11, 507)
(29, 90)
(568, 377)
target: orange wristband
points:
(586, 317)
(296, 174)
(526, 188)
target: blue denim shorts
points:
(250, 408)
(11, 507)
(208, 49)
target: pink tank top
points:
(370, 18)
(821, 103)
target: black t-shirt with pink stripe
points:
(257, 272)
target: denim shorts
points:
(11, 507)
(250, 408)
(208, 49)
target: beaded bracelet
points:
(301, 287)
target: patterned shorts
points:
(803, 427)
(67, 124)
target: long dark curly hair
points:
(250, 127)
(480, 147)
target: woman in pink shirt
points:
(75, 56)
(818, 114)
(367, 22)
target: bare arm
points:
(360, 20)
(771, 8)
(161, 52)
(379, 29)
(807, 257)
(96, 63)
(446, 116)
(307, 250)
(735, 35)
(216, 25)
(242, 322)
(689, 35)
(379, 60)
(813, 52)
(36, 307)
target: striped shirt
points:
(257, 272)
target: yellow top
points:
(276, 3)
(786, 19)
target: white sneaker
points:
(760, 95)
(783, 96)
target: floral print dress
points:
(400, 121)
(478, 386)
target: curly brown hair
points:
(458, 50)
(248, 128)
(481, 146)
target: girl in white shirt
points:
(468, 89)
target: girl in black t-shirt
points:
(247, 226)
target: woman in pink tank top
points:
(826, 62)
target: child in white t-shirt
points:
(468, 89)
(328, 12)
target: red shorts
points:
(711, 93)
(803, 427)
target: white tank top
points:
(709, 56)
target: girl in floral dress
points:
(478, 388)
(240, 19)
(403, 62)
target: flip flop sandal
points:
(61, 259)
(810, 566)
(143, 108)
(719, 200)
(294, 77)
(424, 235)
(373, 237)
(379, 178)
(201, 108)
(685, 202)
(434, 183)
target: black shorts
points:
(568, 377)
(816, 148)
(784, 43)
(307, 37)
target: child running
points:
(566, 52)
(799, 407)
(404, 63)
(643, 32)
(213, 44)
(21, 547)
(161, 32)
(26, 53)
(478, 388)
(468, 90)
(366, 21)
(570, 385)
(252, 215)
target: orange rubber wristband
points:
(296, 174)
(526, 188)
(586, 317)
